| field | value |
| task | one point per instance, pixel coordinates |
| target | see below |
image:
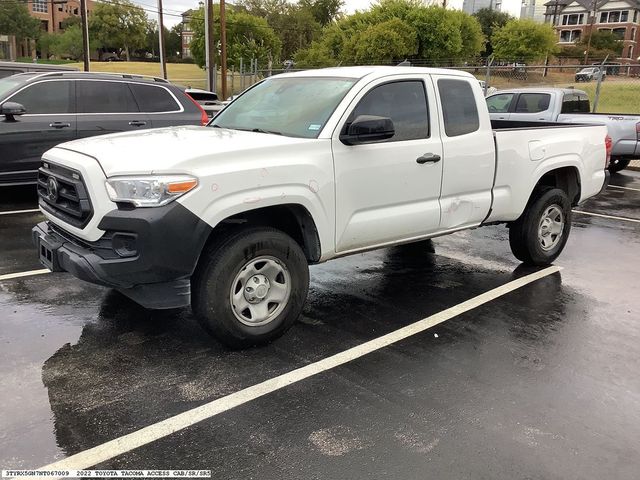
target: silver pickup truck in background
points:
(568, 105)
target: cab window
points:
(500, 103)
(404, 102)
(533, 102)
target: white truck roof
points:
(373, 71)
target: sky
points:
(173, 8)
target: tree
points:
(248, 37)
(323, 11)
(381, 43)
(69, 43)
(122, 25)
(602, 40)
(490, 20)
(523, 40)
(15, 20)
(173, 41)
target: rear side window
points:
(405, 103)
(46, 97)
(499, 103)
(203, 96)
(458, 107)
(533, 102)
(153, 99)
(104, 97)
(573, 103)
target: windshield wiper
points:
(257, 130)
(260, 130)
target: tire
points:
(264, 256)
(618, 164)
(536, 238)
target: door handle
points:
(59, 125)
(137, 123)
(428, 158)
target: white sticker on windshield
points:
(314, 126)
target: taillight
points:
(204, 118)
(609, 144)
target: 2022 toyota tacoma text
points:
(302, 168)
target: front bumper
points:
(149, 254)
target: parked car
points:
(569, 105)
(590, 73)
(41, 110)
(302, 168)
(11, 68)
(208, 100)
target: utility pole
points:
(163, 61)
(593, 20)
(85, 33)
(210, 50)
(223, 50)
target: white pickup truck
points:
(302, 168)
(569, 105)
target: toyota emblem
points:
(52, 189)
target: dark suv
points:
(41, 110)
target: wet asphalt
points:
(541, 383)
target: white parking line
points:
(626, 219)
(9, 276)
(156, 431)
(11, 212)
(625, 188)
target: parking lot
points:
(534, 381)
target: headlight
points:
(149, 191)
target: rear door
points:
(107, 106)
(533, 107)
(499, 105)
(162, 107)
(469, 153)
(48, 121)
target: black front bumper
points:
(149, 254)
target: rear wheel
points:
(251, 287)
(541, 232)
(618, 164)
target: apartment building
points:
(187, 34)
(533, 10)
(52, 13)
(572, 20)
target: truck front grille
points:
(62, 193)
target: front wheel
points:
(618, 164)
(541, 232)
(251, 287)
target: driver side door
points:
(385, 190)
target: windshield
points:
(291, 106)
(7, 84)
(587, 70)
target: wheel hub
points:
(551, 227)
(257, 289)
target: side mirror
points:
(366, 129)
(10, 109)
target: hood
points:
(166, 150)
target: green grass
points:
(616, 97)
(184, 74)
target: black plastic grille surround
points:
(69, 200)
